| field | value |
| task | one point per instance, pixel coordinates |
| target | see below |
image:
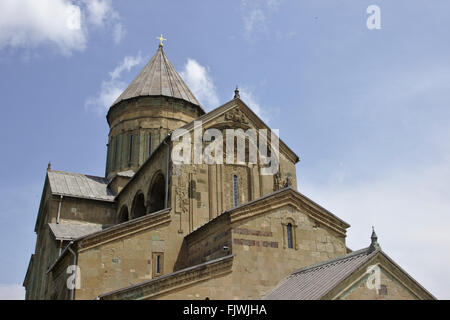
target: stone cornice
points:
(143, 101)
(174, 281)
(275, 200)
(403, 277)
(292, 198)
(124, 229)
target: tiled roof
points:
(72, 231)
(79, 186)
(313, 282)
(158, 78)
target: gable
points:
(365, 288)
(289, 197)
(380, 278)
(236, 114)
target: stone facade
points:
(139, 125)
(395, 284)
(182, 231)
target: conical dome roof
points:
(158, 78)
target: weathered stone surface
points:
(191, 231)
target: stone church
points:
(151, 229)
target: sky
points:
(367, 110)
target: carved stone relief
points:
(236, 115)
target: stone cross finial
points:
(236, 93)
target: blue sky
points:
(366, 110)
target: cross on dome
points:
(161, 39)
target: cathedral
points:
(154, 229)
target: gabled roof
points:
(316, 281)
(285, 196)
(238, 103)
(158, 78)
(79, 186)
(72, 231)
(313, 282)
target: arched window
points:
(149, 144)
(123, 215)
(130, 155)
(235, 191)
(157, 193)
(138, 208)
(290, 240)
(158, 264)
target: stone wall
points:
(76, 209)
(263, 257)
(210, 242)
(137, 127)
(142, 181)
(123, 255)
(390, 289)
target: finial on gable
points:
(374, 245)
(49, 166)
(236, 93)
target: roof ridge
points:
(319, 265)
(76, 173)
(264, 197)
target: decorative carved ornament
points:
(281, 181)
(236, 115)
(182, 198)
(182, 189)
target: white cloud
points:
(250, 100)
(27, 23)
(273, 4)
(109, 92)
(410, 211)
(12, 292)
(255, 19)
(101, 13)
(127, 64)
(199, 80)
(119, 32)
(255, 12)
(61, 23)
(112, 88)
